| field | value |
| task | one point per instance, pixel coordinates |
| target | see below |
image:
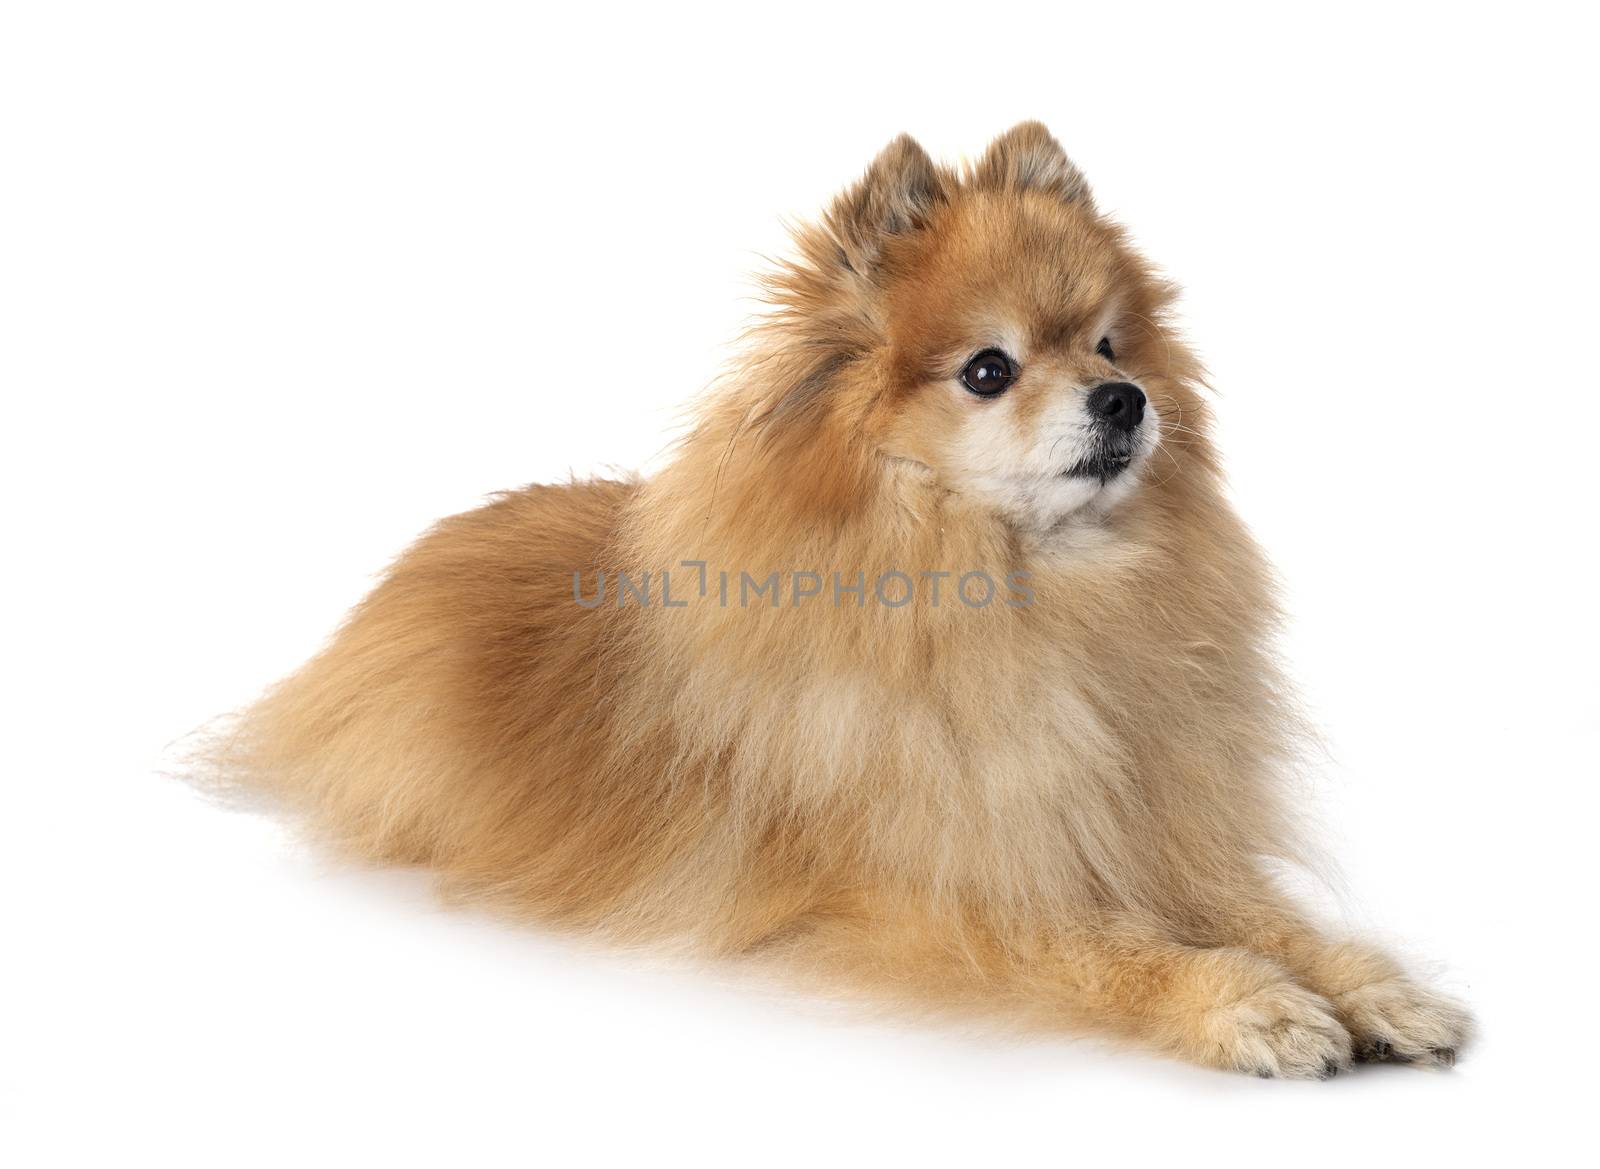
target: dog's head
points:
(987, 325)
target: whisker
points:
(1160, 332)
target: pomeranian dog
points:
(935, 665)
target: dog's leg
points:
(1388, 1014)
(1122, 974)
(1225, 1007)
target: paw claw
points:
(1397, 1020)
(1281, 1029)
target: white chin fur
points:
(1043, 502)
(1028, 486)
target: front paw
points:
(1396, 1019)
(1279, 1030)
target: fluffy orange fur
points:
(1062, 805)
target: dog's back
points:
(463, 687)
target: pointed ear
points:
(1027, 158)
(899, 189)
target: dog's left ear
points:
(899, 189)
(1027, 158)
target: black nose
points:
(1118, 404)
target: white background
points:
(282, 283)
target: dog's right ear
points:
(895, 195)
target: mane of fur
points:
(830, 782)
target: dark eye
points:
(1104, 349)
(989, 373)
